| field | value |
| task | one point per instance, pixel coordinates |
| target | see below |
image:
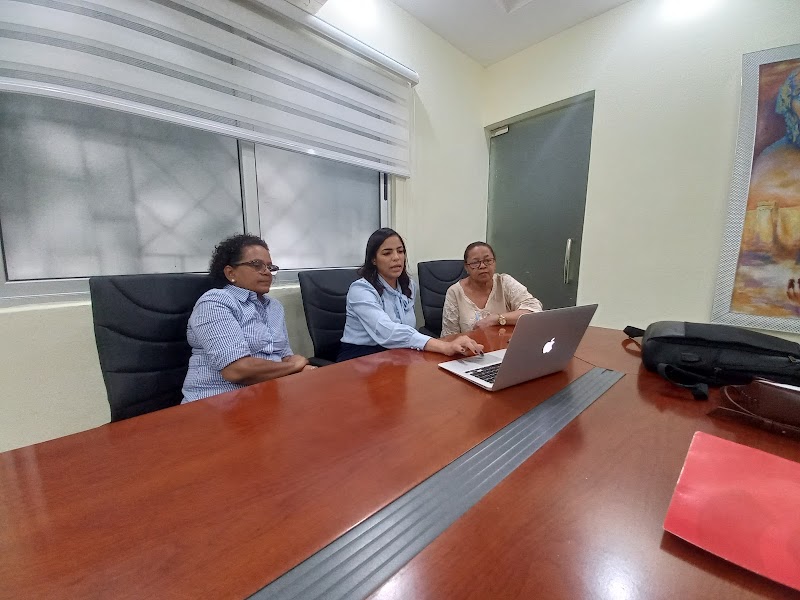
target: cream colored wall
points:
(443, 206)
(48, 362)
(663, 140)
(51, 378)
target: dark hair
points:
(369, 270)
(228, 252)
(477, 245)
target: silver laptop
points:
(542, 343)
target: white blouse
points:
(460, 314)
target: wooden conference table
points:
(217, 498)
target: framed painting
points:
(758, 282)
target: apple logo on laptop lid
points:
(549, 346)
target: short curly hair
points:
(228, 252)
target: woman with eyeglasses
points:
(237, 333)
(484, 298)
(380, 306)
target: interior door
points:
(538, 171)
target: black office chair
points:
(324, 294)
(140, 330)
(435, 276)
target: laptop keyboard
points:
(486, 373)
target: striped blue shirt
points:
(386, 319)
(227, 325)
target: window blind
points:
(238, 67)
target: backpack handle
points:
(633, 332)
(699, 388)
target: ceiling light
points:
(685, 10)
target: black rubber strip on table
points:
(360, 561)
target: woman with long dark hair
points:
(380, 306)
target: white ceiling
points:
(486, 31)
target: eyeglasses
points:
(475, 264)
(259, 265)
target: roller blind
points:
(235, 67)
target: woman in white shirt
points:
(484, 298)
(380, 306)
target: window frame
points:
(58, 290)
(247, 165)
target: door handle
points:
(567, 258)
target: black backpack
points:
(698, 355)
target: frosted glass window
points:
(314, 212)
(91, 191)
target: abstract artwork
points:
(759, 277)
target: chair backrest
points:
(435, 276)
(140, 330)
(324, 294)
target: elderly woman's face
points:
(480, 264)
(251, 271)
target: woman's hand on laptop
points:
(465, 345)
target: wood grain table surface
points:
(219, 497)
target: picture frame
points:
(758, 279)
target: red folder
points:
(741, 504)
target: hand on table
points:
(485, 322)
(299, 363)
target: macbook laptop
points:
(542, 343)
